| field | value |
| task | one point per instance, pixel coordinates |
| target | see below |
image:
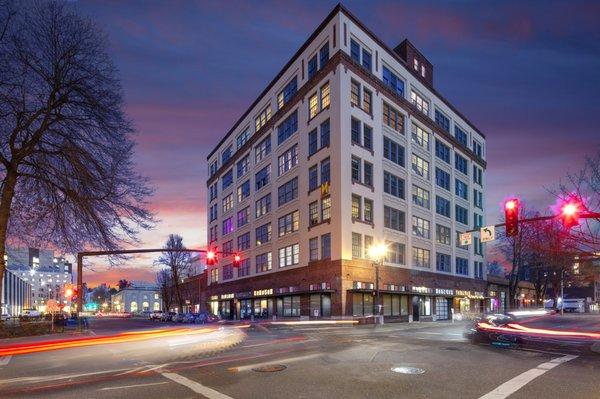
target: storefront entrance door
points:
(415, 306)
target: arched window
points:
(156, 306)
(133, 306)
(145, 306)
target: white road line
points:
(196, 386)
(513, 385)
(278, 361)
(4, 360)
(55, 377)
(133, 386)
(429, 332)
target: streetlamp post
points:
(376, 253)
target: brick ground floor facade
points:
(334, 289)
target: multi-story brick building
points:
(349, 146)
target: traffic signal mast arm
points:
(589, 215)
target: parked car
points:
(206, 317)
(4, 316)
(178, 318)
(156, 315)
(167, 316)
(31, 313)
(189, 318)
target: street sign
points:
(466, 239)
(488, 233)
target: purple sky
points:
(525, 74)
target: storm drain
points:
(408, 370)
(271, 368)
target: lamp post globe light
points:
(376, 253)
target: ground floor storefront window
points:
(263, 307)
(245, 308)
(214, 307)
(441, 308)
(288, 306)
(362, 304)
(424, 306)
(395, 305)
(320, 305)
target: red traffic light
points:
(511, 217)
(570, 211)
(211, 257)
(237, 260)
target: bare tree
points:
(178, 262)
(163, 280)
(67, 177)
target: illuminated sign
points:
(214, 298)
(444, 291)
(422, 290)
(264, 292)
(226, 296)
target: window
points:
(313, 178)
(462, 266)
(226, 154)
(262, 118)
(213, 190)
(420, 196)
(325, 134)
(368, 241)
(324, 55)
(355, 93)
(442, 234)
(355, 131)
(263, 234)
(461, 189)
(393, 218)
(393, 185)
(326, 246)
(366, 60)
(228, 225)
(367, 101)
(289, 223)
(356, 169)
(214, 275)
(477, 220)
(356, 246)
(461, 136)
(243, 216)
(313, 249)
(416, 64)
(243, 242)
(288, 160)
(356, 207)
(227, 179)
(244, 268)
(354, 51)
(289, 256)
(395, 253)
(418, 101)
(326, 209)
(478, 148)
(421, 227)
(420, 166)
(423, 70)
(263, 262)
(212, 233)
(287, 191)
(442, 120)
(228, 203)
(213, 213)
(368, 174)
(461, 164)
(442, 151)
(421, 257)
(462, 215)
(262, 178)
(262, 149)
(420, 137)
(477, 246)
(442, 179)
(325, 171)
(477, 175)
(325, 96)
(443, 262)
(313, 142)
(213, 168)
(242, 138)
(313, 102)
(312, 66)
(263, 206)
(393, 118)
(478, 199)
(368, 210)
(368, 137)
(243, 166)
(243, 191)
(313, 213)
(228, 247)
(288, 127)
(393, 151)
(393, 82)
(287, 93)
(478, 269)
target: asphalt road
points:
(318, 362)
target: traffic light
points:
(570, 211)
(211, 257)
(237, 260)
(511, 217)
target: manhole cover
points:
(270, 368)
(408, 370)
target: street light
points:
(376, 252)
